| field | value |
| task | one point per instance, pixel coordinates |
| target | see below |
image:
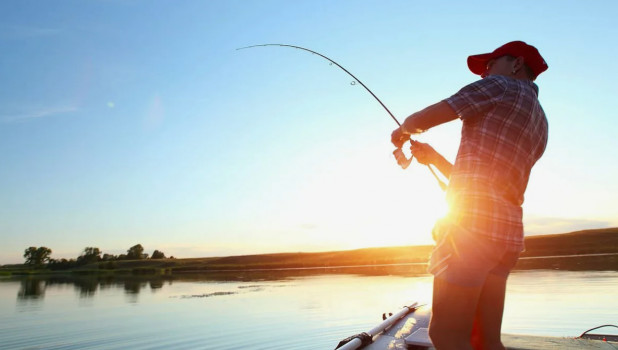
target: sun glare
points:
(355, 206)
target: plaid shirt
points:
(504, 133)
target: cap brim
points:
(478, 63)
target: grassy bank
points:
(602, 241)
(573, 243)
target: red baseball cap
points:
(532, 57)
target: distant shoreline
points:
(581, 250)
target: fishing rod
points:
(360, 340)
(398, 153)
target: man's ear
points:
(518, 64)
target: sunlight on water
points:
(298, 309)
(560, 303)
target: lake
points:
(294, 309)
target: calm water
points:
(284, 310)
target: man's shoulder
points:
(489, 85)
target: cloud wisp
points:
(37, 114)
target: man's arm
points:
(429, 117)
(425, 154)
(420, 121)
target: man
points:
(504, 133)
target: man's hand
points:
(424, 153)
(399, 137)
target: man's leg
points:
(488, 319)
(453, 312)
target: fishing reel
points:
(402, 160)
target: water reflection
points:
(156, 284)
(86, 287)
(33, 287)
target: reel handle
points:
(405, 162)
(401, 158)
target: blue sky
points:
(125, 122)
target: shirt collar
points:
(535, 88)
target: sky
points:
(126, 122)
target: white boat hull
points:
(417, 321)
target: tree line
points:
(39, 257)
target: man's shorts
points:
(465, 259)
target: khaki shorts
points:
(465, 259)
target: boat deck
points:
(524, 342)
(394, 337)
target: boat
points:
(408, 330)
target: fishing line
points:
(398, 153)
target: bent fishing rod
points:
(398, 153)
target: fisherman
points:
(478, 242)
